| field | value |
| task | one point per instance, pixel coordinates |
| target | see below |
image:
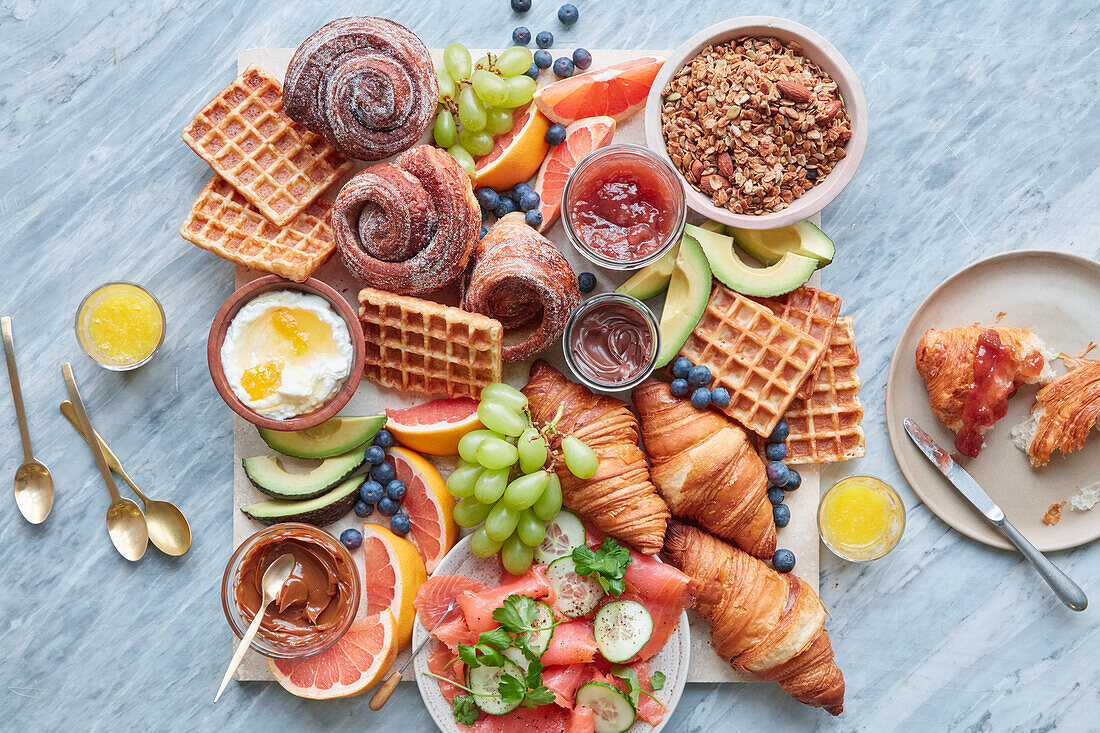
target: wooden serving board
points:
(800, 535)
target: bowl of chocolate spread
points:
(611, 342)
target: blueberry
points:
(775, 451)
(776, 495)
(680, 388)
(700, 398)
(681, 366)
(543, 59)
(545, 39)
(778, 474)
(533, 71)
(384, 438)
(521, 36)
(783, 561)
(484, 231)
(505, 207)
(529, 200)
(699, 376)
(781, 432)
(383, 473)
(371, 491)
(487, 198)
(400, 523)
(582, 59)
(555, 135)
(563, 68)
(351, 539)
(516, 192)
(521, 6)
(720, 396)
(781, 513)
(794, 481)
(586, 282)
(533, 218)
(376, 455)
(389, 506)
(363, 509)
(396, 489)
(568, 14)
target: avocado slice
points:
(268, 475)
(319, 511)
(713, 226)
(688, 293)
(769, 245)
(331, 438)
(651, 280)
(784, 276)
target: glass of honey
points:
(861, 518)
(120, 325)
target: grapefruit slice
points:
(516, 154)
(351, 666)
(581, 138)
(435, 427)
(616, 91)
(393, 574)
(428, 504)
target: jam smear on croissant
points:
(997, 375)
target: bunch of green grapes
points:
(481, 96)
(502, 479)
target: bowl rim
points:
(220, 326)
(817, 49)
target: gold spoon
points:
(168, 528)
(125, 523)
(33, 483)
(274, 578)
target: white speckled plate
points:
(1057, 295)
(672, 659)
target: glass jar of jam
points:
(611, 342)
(623, 207)
(861, 518)
(316, 605)
(120, 325)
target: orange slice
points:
(434, 427)
(581, 138)
(428, 505)
(516, 154)
(616, 91)
(393, 574)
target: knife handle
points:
(1067, 591)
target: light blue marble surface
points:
(985, 137)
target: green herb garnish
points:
(465, 709)
(657, 680)
(607, 565)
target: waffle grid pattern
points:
(811, 311)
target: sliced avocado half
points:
(269, 476)
(651, 280)
(331, 438)
(688, 293)
(319, 511)
(784, 276)
(769, 245)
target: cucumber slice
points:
(485, 684)
(563, 533)
(621, 629)
(611, 708)
(540, 640)
(576, 595)
(516, 656)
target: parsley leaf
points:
(511, 689)
(468, 655)
(657, 680)
(630, 677)
(537, 693)
(497, 637)
(517, 614)
(464, 709)
(608, 565)
(489, 656)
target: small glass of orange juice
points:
(120, 325)
(861, 518)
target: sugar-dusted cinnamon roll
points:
(520, 278)
(409, 227)
(367, 85)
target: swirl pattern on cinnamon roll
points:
(408, 227)
(519, 278)
(367, 85)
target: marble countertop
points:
(984, 138)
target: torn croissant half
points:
(1065, 411)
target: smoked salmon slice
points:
(583, 721)
(563, 682)
(435, 594)
(664, 591)
(437, 664)
(572, 643)
(478, 606)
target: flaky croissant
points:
(620, 499)
(768, 624)
(706, 469)
(1065, 412)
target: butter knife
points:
(1067, 591)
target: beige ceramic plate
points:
(1058, 296)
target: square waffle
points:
(825, 428)
(275, 164)
(809, 310)
(223, 222)
(420, 345)
(760, 358)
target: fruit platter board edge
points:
(800, 536)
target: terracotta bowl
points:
(815, 48)
(225, 316)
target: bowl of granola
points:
(763, 119)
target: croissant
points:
(1065, 411)
(768, 624)
(620, 499)
(706, 469)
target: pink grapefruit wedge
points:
(616, 91)
(434, 427)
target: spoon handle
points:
(86, 428)
(69, 412)
(16, 392)
(242, 648)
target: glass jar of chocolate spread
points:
(611, 342)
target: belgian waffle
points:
(277, 165)
(223, 222)
(419, 345)
(809, 310)
(825, 428)
(760, 358)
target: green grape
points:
(532, 450)
(498, 121)
(471, 112)
(502, 419)
(579, 458)
(445, 132)
(446, 85)
(490, 485)
(470, 512)
(516, 556)
(526, 490)
(520, 91)
(483, 63)
(549, 504)
(514, 60)
(505, 394)
(478, 143)
(481, 545)
(456, 58)
(494, 453)
(460, 484)
(464, 159)
(489, 87)
(501, 522)
(467, 445)
(531, 529)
